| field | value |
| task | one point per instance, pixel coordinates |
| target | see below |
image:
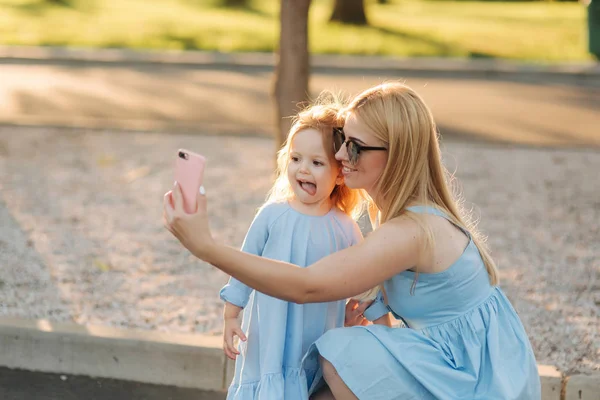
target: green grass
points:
(539, 31)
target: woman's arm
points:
(392, 248)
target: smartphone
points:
(189, 172)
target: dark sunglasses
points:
(352, 146)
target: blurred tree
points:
(59, 2)
(235, 3)
(292, 70)
(349, 12)
(593, 10)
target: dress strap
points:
(427, 210)
(439, 213)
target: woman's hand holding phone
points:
(189, 174)
(184, 207)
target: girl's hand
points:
(354, 313)
(232, 328)
(192, 230)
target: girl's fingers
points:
(241, 335)
(228, 346)
(352, 312)
(228, 341)
(233, 350)
(351, 305)
(363, 306)
(229, 355)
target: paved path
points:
(509, 108)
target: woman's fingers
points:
(167, 206)
(192, 230)
(177, 198)
(201, 201)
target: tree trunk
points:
(59, 2)
(292, 70)
(235, 3)
(349, 12)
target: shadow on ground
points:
(20, 384)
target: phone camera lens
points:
(183, 155)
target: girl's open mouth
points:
(308, 187)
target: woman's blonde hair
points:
(414, 173)
(323, 116)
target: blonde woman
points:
(463, 338)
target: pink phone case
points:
(189, 172)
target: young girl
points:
(306, 217)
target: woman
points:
(464, 340)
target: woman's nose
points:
(342, 153)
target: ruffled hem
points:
(457, 336)
(291, 384)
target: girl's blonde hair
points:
(323, 116)
(414, 173)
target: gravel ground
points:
(81, 237)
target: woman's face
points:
(370, 164)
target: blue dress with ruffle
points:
(279, 332)
(463, 340)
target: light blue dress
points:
(279, 333)
(464, 340)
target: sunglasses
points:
(353, 148)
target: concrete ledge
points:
(268, 60)
(551, 380)
(193, 361)
(582, 387)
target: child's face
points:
(312, 172)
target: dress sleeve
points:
(236, 292)
(376, 310)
